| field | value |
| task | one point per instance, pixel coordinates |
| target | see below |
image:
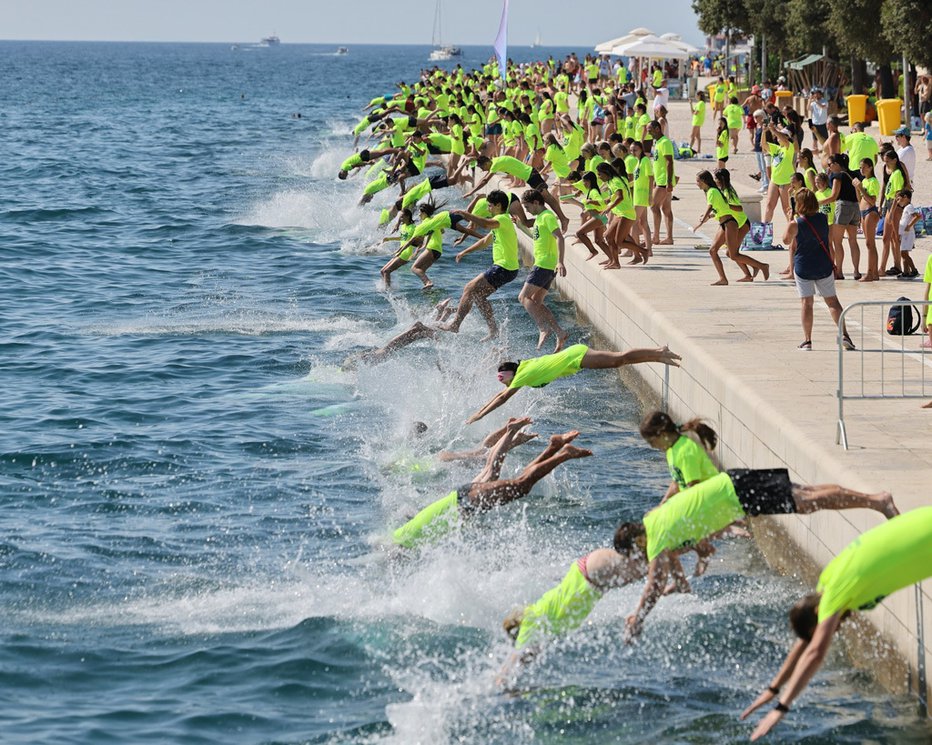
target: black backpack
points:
(900, 319)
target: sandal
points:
(806, 346)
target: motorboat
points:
(270, 41)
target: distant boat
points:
(342, 50)
(536, 41)
(270, 41)
(440, 51)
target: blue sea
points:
(194, 491)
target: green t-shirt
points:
(511, 166)
(429, 524)
(781, 168)
(351, 162)
(557, 158)
(439, 221)
(719, 93)
(641, 126)
(721, 145)
(826, 209)
(870, 186)
(688, 461)
(505, 243)
(662, 148)
(416, 193)
(560, 609)
(699, 114)
(561, 99)
(625, 208)
(895, 182)
(716, 201)
(894, 555)
(546, 252)
(657, 79)
(860, 145)
(733, 115)
(691, 515)
(539, 371)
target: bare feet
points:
(721, 283)
(747, 278)
(524, 437)
(886, 505)
(428, 286)
(493, 334)
(591, 256)
(766, 270)
(574, 452)
(927, 406)
(440, 309)
(541, 338)
(565, 439)
(636, 260)
(665, 242)
(561, 340)
(515, 423)
(612, 266)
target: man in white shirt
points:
(906, 152)
(818, 118)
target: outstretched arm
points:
(783, 675)
(482, 243)
(482, 222)
(482, 182)
(809, 663)
(497, 400)
(656, 581)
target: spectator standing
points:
(905, 151)
(818, 118)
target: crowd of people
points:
(608, 154)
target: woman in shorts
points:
(813, 264)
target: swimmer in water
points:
(417, 332)
(566, 606)
(539, 371)
(487, 491)
(887, 558)
(704, 510)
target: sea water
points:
(194, 491)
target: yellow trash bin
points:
(783, 98)
(857, 109)
(888, 112)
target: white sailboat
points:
(441, 52)
(537, 42)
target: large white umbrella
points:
(652, 47)
(677, 41)
(633, 35)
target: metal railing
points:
(901, 383)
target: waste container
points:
(888, 112)
(857, 108)
(783, 98)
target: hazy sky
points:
(561, 22)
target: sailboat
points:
(537, 42)
(441, 52)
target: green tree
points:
(906, 25)
(853, 25)
(806, 30)
(719, 15)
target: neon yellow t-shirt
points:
(691, 515)
(662, 148)
(558, 160)
(894, 555)
(733, 115)
(560, 609)
(539, 371)
(505, 243)
(895, 182)
(511, 166)
(657, 79)
(721, 146)
(429, 524)
(781, 168)
(546, 252)
(416, 193)
(827, 209)
(688, 461)
(699, 114)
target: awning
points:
(652, 47)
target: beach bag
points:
(926, 221)
(759, 237)
(684, 151)
(900, 318)
(880, 223)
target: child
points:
(796, 183)
(721, 138)
(910, 216)
(823, 192)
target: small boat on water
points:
(270, 41)
(440, 51)
(342, 50)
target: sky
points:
(561, 22)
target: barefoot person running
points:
(548, 263)
(876, 564)
(504, 267)
(709, 507)
(487, 491)
(539, 371)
